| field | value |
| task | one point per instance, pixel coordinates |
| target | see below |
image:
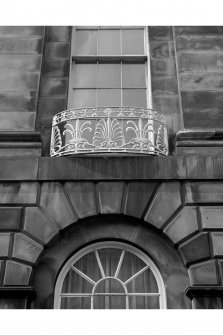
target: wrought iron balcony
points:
(109, 130)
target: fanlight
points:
(109, 130)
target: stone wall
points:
(200, 65)
(186, 76)
(164, 80)
(20, 66)
(39, 207)
(54, 80)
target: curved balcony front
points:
(104, 130)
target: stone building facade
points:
(168, 207)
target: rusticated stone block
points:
(204, 192)
(204, 273)
(21, 45)
(202, 100)
(208, 118)
(10, 218)
(82, 196)
(54, 201)
(21, 31)
(164, 85)
(17, 274)
(138, 197)
(167, 104)
(199, 30)
(18, 193)
(199, 43)
(165, 203)
(20, 63)
(184, 224)
(160, 49)
(26, 248)
(18, 101)
(57, 33)
(201, 81)
(197, 248)
(11, 80)
(212, 217)
(55, 67)
(203, 62)
(61, 50)
(157, 33)
(163, 66)
(37, 224)
(4, 244)
(110, 197)
(24, 121)
(57, 50)
(49, 106)
(217, 243)
(53, 86)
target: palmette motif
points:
(107, 130)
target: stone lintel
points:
(130, 168)
(97, 168)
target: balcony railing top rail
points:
(109, 130)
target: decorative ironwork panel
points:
(109, 130)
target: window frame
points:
(126, 58)
(109, 244)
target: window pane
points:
(86, 42)
(133, 42)
(144, 283)
(134, 98)
(109, 42)
(109, 259)
(109, 98)
(74, 283)
(133, 75)
(109, 76)
(84, 98)
(75, 303)
(89, 266)
(131, 264)
(143, 302)
(85, 75)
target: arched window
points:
(109, 275)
